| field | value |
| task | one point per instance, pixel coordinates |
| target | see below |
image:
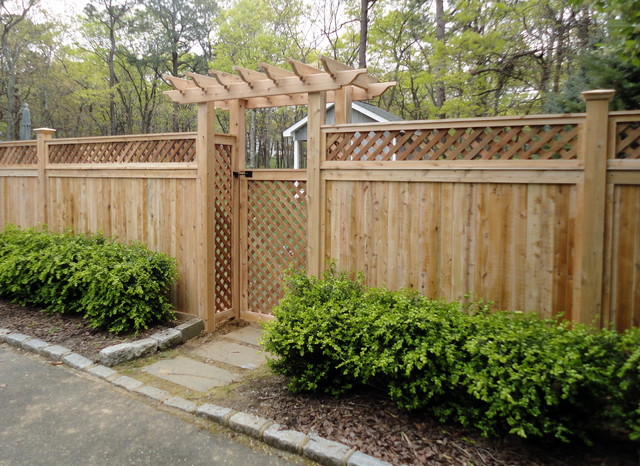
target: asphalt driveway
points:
(50, 414)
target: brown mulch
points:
(70, 331)
(366, 421)
(372, 424)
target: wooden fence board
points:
(506, 243)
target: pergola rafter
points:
(274, 86)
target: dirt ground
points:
(366, 421)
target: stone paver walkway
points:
(215, 363)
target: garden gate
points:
(254, 223)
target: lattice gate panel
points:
(277, 238)
(223, 203)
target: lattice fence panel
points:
(277, 238)
(223, 204)
(18, 155)
(628, 140)
(145, 151)
(527, 142)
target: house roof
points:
(375, 113)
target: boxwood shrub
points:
(118, 287)
(502, 372)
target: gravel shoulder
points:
(366, 421)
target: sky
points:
(64, 7)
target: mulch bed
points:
(70, 331)
(367, 421)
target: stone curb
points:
(313, 447)
(159, 341)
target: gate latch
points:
(247, 173)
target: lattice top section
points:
(527, 142)
(628, 140)
(18, 154)
(145, 151)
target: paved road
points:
(49, 415)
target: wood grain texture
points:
(511, 244)
(156, 212)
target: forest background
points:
(100, 72)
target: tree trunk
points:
(175, 65)
(364, 31)
(12, 129)
(112, 80)
(440, 95)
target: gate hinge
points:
(247, 173)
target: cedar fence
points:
(536, 213)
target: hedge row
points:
(115, 286)
(503, 372)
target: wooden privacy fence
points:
(142, 188)
(153, 189)
(536, 213)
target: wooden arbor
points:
(273, 87)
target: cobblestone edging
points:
(321, 450)
(160, 341)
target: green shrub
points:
(627, 408)
(503, 372)
(115, 286)
(312, 332)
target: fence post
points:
(239, 268)
(42, 136)
(590, 219)
(205, 158)
(315, 200)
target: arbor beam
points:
(190, 94)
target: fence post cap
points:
(44, 130)
(598, 94)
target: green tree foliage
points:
(454, 58)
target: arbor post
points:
(205, 157)
(590, 219)
(239, 268)
(315, 188)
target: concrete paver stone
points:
(361, 459)
(16, 339)
(77, 361)
(167, 338)
(190, 373)
(215, 413)
(181, 403)
(101, 371)
(191, 329)
(35, 344)
(249, 424)
(127, 383)
(55, 352)
(231, 353)
(152, 392)
(327, 451)
(249, 334)
(289, 440)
